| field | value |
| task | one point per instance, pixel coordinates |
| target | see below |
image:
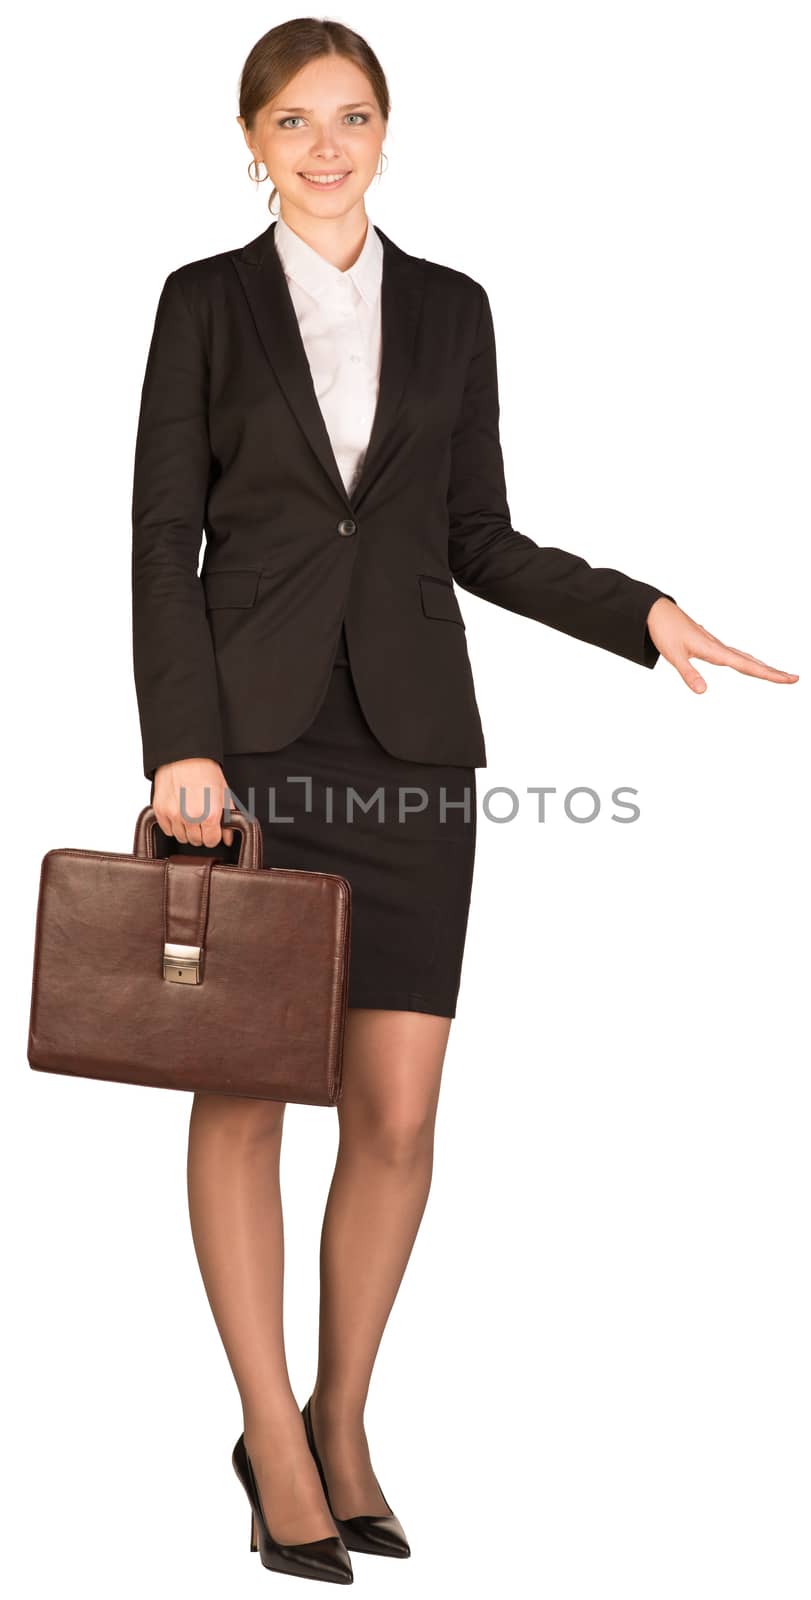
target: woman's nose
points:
(325, 144)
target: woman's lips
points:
(313, 183)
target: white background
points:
(595, 1380)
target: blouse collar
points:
(319, 277)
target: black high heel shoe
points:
(320, 1558)
(375, 1536)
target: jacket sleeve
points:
(491, 559)
(173, 653)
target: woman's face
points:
(324, 121)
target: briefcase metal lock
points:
(181, 963)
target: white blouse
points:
(339, 318)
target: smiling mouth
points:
(324, 180)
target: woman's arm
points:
(598, 604)
(492, 560)
(173, 655)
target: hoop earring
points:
(381, 170)
(273, 213)
(253, 175)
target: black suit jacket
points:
(231, 441)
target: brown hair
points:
(281, 53)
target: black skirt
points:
(402, 833)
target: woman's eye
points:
(285, 121)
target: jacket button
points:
(346, 525)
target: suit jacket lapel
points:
(263, 280)
(401, 304)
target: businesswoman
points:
(324, 406)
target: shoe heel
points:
(254, 1541)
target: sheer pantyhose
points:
(391, 1077)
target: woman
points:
(325, 406)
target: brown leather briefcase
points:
(192, 973)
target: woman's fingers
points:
(205, 833)
(692, 678)
(188, 802)
(705, 647)
(725, 655)
(210, 831)
(198, 820)
(757, 668)
(164, 821)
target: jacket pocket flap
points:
(439, 599)
(230, 587)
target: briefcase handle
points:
(248, 828)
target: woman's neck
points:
(338, 239)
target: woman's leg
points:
(391, 1077)
(236, 1218)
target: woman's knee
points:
(398, 1133)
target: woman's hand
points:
(180, 793)
(677, 637)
